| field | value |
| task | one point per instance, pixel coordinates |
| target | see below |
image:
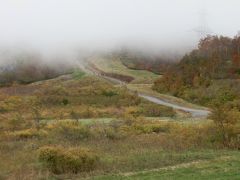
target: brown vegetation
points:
(60, 160)
(210, 76)
(140, 61)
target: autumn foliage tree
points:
(217, 57)
(227, 122)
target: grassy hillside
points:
(82, 127)
(208, 75)
(74, 98)
(111, 65)
(68, 109)
(138, 60)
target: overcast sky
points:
(108, 23)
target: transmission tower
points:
(238, 34)
(203, 29)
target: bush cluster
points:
(155, 110)
(72, 131)
(26, 134)
(74, 160)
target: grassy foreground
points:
(221, 168)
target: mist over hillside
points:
(156, 27)
(119, 89)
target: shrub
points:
(60, 160)
(133, 111)
(10, 103)
(155, 128)
(65, 102)
(74, 115)
(88, 112)
(71, 131)
(155, 110)
(16, 122)
(109, 93)
(114, 134)
(227, 122)
(83, 112)
(148, 128)
(27, 134)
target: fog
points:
(155, 26)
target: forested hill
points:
(209, 73)
(142, 61)
(28, 67)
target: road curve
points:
(196, 113)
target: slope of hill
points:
(80, 126)
(208, 75)
(115, 66)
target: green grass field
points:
(85, 121)
(222, 167)
(115, 66)
(78, 74)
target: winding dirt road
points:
(195, 113)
